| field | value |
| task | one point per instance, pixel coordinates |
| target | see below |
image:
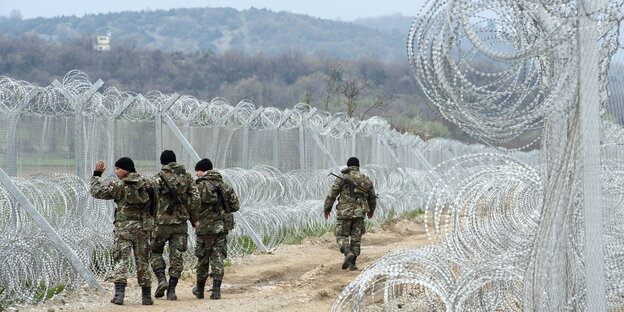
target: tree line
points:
(362, 87)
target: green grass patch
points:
(41, 293)
(101, 258)
(294, 237)
(367, 225)
(247, 244)
(415, 213)
(298, 235)
(392, 217)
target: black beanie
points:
(353, 162)
(167, 156)
(203, 165)
(125, 163)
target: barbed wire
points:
(280, 207)
(510, 235)
(50, 101)
(482, 215)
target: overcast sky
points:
(346, 10)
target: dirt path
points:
(305, 277)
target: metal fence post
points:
(79, 134)
(591, 124)
(12, 133)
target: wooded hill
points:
(362, 87)
(249, 31)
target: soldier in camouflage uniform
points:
(133, 224)
(356, 200)
(177, 194)
(212, 219)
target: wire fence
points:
(514, 237)
(278, 162)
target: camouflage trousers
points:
(210, 251)
(130, 236)
(177, 236)
(349, 233)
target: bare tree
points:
(378, 104)
(350, 89)
(334, 74)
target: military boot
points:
(216, 289)
(198, 290)
(352, 266)
(146, 295)
(162, 282)
(348, 257)
(173, 282)
(120, 291)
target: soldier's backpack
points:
(208, 196)
(216, 198)
(136, 195)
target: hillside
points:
(249, 31)
(279, 80)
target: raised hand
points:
(99, 166)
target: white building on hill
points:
(102, 43)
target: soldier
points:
(133, 224)
(177, 194)
(357, 198)
(212, 220)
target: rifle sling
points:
(174, 195)
(221, 199)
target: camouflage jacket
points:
(351, 204)
(182, 182)
(130, 195)
(210, 214)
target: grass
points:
(393, 217)
(247, 244)
(367, 225)
(415, 213)
(100, 256)
(41, 294)
(295, 236)
(300, 235)
(410, 214)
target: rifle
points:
(221, 198)
(175, 199)
(352, 185)
(150, 206)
